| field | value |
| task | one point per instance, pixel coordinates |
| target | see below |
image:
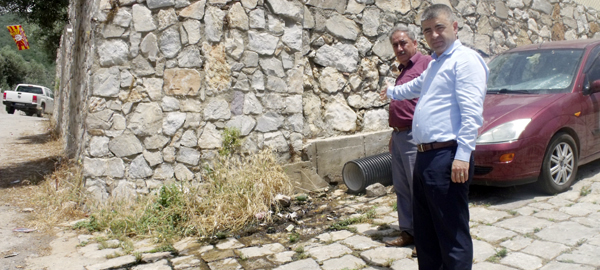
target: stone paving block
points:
(186, 262)
(365, 228)
(405, 264)
(159, 265)
(190, 245)
(491, 266)
(306, 264)
(566, 266)
(511, 204)
(346, 262)
(591, 221)
(590, 198)
(522, 261)
(383, 210)
(526, 211)
(89, 248)
(329, 251)
(282, 257)
(568, 233)
(546, 250)
(335, 236)
(594, 241)
(585, 254)
(517, 243)
(523, 224)
(542, 205)
(359, 242)
(482, 251)
(154, 257)
(486, 216)
(559, 202)
(217, 255)
(381, 256)
(226, 264)
(268, 249)
(257, 263)
(491, 233)
(581, 209)
(571, 195)
(103, 253)
(119, 262)
(385, 220)
(229, 243)
(552, 215)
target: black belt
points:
(424, 147)
(400, 129)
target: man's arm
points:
(471, 80)
(409, 90)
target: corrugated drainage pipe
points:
(360, 173)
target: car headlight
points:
(506, 132)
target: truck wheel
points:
(10, 110)
(40, 113)
(29, 113)
(559, 167)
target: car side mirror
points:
(595, 87)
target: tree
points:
(14, 70)
(49, 15)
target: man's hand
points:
(460, 171)
(383, 93)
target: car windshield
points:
(533, 72)
(30, 89)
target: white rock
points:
(142, 19)
(340, 117)
(211, 138)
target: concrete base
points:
(304, 177)
(328, 156)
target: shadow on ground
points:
(487, 195)
(31, 172)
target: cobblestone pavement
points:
(524, 230)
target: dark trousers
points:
(441, 213)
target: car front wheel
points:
(560, 164)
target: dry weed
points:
(234, 191)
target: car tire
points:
(40, 113)
(10, 110)
(29, 113)
(559, 167)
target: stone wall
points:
(156, 82)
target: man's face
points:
(440, 33)
(404, 47)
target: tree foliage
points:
(49, 15)
(14, 69)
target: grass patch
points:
(294, 237)
(499, 255)
(367, 217)
(586, 190)
(235, 189)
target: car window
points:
(30, 89)
(540, 71)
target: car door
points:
(592, 112)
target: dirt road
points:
(20, 164)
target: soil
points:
(22, 163)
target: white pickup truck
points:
(32, 99)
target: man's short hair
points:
(403, 28)
(434, 11)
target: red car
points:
(541, 115)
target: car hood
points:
(502, 108)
